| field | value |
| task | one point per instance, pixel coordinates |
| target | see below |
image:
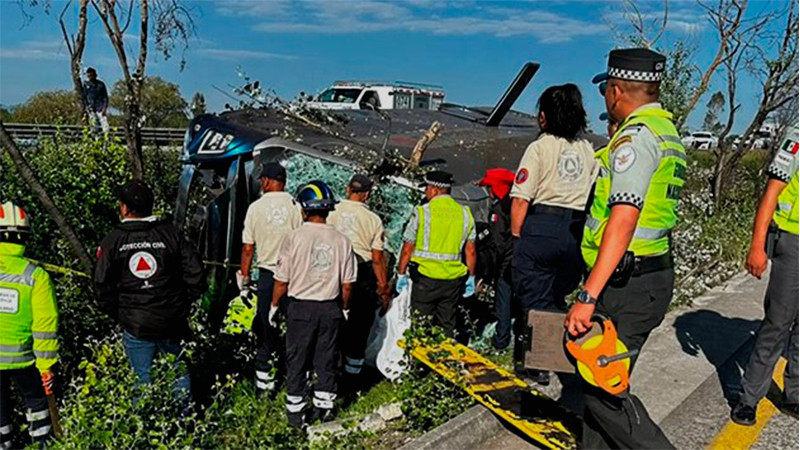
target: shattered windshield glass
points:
(391, 202)
(337, 95)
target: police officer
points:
(316, 268)
(500, 249)
(435, 237)
(268, 220)
(779, 328)
(28, 326)
(147, 277)
(626, 241)
(364, 228)
(548, 208)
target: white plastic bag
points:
(382, 349)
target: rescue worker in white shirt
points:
(435, 237)
(364, 228)
(268, 220)
(778, 331)
(548, 210)
(316, 268)
(28, 326)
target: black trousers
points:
(312, 343)
(547, 265)
(363, 305)
(622, 421)
(438, 299)
(269, 345)
(37, 413)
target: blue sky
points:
(472, 48)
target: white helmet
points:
(13, 219)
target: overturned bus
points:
(221, 154)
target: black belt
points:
(649, 264)
(558, 211)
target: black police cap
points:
(439, 178)
(634, 64)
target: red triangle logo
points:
(142, 265)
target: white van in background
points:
(379, 95)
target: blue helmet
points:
(316, 196)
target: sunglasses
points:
(602, 87)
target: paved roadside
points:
(690, 370)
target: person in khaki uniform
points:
(353, 218)
(548, 207)
(317, 268)
(268, 220)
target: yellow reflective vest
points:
(786, 214)
(442, 231)
(658, 215)
(28, 312)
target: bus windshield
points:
(339, 95)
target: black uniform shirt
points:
(147, 276)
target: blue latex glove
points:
(402, 282)
(469, 289)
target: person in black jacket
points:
(147, 276)
(501, 248)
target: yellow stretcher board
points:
(532, 412)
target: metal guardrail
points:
(33, 131)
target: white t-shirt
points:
(316, 260)
(362, 226)
(268, 220)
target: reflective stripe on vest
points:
(658, 216)
(786, 214)
(441, 236)
(17, 348)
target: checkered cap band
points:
(437, 184)
(634, 75)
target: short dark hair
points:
(91, 70)
(317, 212)
(648, 91)
(563, 111)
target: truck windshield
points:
(339, 96)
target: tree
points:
(173, 26)
(198, 104)
(49, 107)
(75, 45)
(713, 109)
(6, 115)
(776, 66)
(39, 190)
(161, 104)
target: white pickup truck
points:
(700, 140)
(379, 95)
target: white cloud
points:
(223, 54)
(420, 16)
(36, 51)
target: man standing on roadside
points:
(626, 240)
(147, 277)
(364, 228)
(95, 98)
(268, 220)
(778, 330)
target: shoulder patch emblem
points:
(790, 146)
(623, 159)
(143, 265)
(522, 176)
(622, 140)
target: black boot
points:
(744, 415)
(787, 407)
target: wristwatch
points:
(586, 298)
